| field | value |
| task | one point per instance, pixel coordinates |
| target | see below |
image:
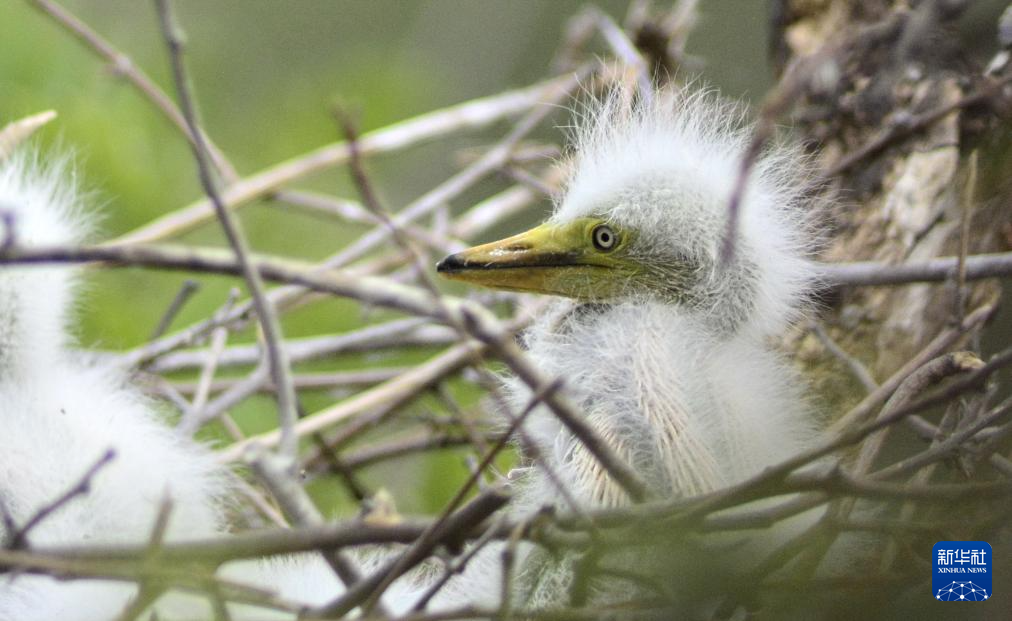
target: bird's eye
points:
(604, 237)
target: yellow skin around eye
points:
(553, 258)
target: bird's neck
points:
(719, 315)
(720, 298)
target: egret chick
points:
(664, 349)
(61, 411)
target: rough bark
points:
(875, 65)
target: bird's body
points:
(60, 414)
(690, 411)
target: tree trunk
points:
(877, 70)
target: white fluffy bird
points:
(662, 348)
(60, 413)
(665, 349)
(665, 352)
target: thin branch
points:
(457, 565)
(905, 125)
(874, 273)
(277, 359)
(190, 578)
(942, 449)
(937, 346)
(916, 384)
(491, 161)
(388, 394)
(81, 488)
(299, 508)
(857, 368)
(424, 540)
(410, 332)
(123, 65)
(450, 530)
(193, 416)
(16, 132)
(473, 114)
(776, 103)
(304, 381)
(625, 50)
(353, 212)
(965, 212)
(563, 409)
(838, 482)
(221, 549)
(181, 298)
(148, 593)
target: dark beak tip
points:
(450, 264)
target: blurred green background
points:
(267, 74)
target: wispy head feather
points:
(665, 169)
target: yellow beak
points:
(551, 258)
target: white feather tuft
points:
(39, 206)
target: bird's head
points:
(645, 213)
(589, 258)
